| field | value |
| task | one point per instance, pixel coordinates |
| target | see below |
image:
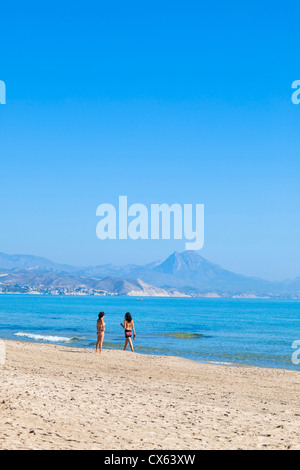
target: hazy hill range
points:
(21, 262)
(192, 274)
(43, 282)
(185, 273)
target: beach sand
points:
(55, 397)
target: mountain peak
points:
(179, 262)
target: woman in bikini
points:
(100, 332)
(128, 327)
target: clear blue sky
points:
(169, 101)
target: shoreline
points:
(212, 363)
(55, 397)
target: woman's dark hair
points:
(128, 317)
(101, 314)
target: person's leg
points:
(131, 345)
(126, 343)
(101, 341)
(98, 343)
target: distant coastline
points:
(184, 274)
(177, 295)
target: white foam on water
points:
(217, 363)
(49, 338)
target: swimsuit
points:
(100, 330)
(128, 333)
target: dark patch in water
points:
(184, 335)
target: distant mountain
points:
(190, 270)
(186, 262)
(190, 273)
(133, 287)
(293, 285)
(21, 262)
(185, 273)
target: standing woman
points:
(100, 331)
(128, 327)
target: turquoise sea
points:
(250, 332)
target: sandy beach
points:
(55, 397)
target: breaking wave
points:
(48, 338)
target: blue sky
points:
(183, 102)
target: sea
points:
(248, 332)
